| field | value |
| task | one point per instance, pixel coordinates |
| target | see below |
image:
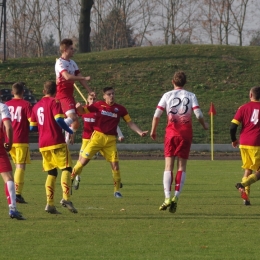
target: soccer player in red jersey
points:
(47, 117)
(6, 141)
(67, 72)
(88, 129)
(178, 104)
(103, 139)
(248, 117)
(20, 111)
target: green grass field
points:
(210, 222)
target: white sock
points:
(10, 193)
(167, 183)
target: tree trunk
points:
(84, 25)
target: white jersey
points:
(178, 105)
(4, 115)
(65, 87)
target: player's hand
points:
(144, 133)
(121, 138)
(235, 144)
(153, 136)
(78, 105)
(93, 94)
(8, 147)
(87, 78)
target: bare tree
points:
(239, 14)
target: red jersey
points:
(88, 126)
(249, 117)
(20, 111)
(43, 115)
(65, 87)
(108, 117)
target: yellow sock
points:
(250, 180)
(247, 188)
(76, 170)
(66, 184)
(50, 189)
(19, 180)
(117, 180)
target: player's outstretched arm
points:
(136, 129)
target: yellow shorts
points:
(83, 145)
(20, 154)
(105, 144)
(56, 158)
(250, 158)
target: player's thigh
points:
(95, 144)
(246, 158)
(68, 105)
(83, 145)
(20, 155)
(5, 165)
(177, 146)
(109, 151)
(255, 159)
(56, 158)
(61, 157)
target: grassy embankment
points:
(219, 74)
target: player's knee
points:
(53, 172)
(69, 169)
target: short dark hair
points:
(65, 43)
(255, 93)
(50, 87)
(105, 89)
(18, 88)
(179, 78)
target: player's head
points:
(91, 99)
(255, 93)
(179, 79)
(109, 95)
(66, 45)
(18, 88)
(49, 88)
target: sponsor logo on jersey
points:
(106, 113)
(91, 120)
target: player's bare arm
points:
(9, 135)
(136, 129)
(155, 123)
(80, 109)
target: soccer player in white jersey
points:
(178, 104)
(6, 142)
(67, 72)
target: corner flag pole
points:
(212, 112)
(76, 87)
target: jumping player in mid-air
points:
(67, 72)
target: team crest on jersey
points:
(57, 101)
(116, 109)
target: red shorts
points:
(68, 105)
(177, 146)
(5, 165)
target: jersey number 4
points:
(255, 116)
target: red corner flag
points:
(212, 110)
